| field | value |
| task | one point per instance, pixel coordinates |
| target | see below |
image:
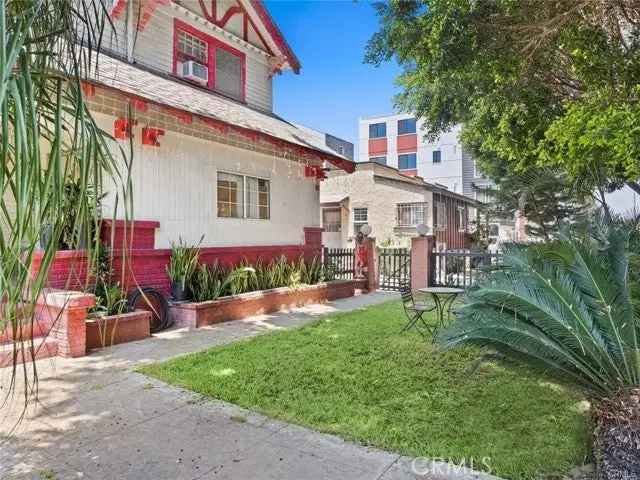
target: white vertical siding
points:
(175, 184)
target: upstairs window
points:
(378, 130)
(380, 160)
(411, 214)
(228, 73)
(225, 65)
(406, 126)
(192, 48)
(437, 156)
(407, 161)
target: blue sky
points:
(334, 87)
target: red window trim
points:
(212, 45)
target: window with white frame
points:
(380, 160)
(360, 218)
(257, 198)
(461, 218)
(331, 220)
(406, 126)
(241, 196)
(192, 48)
(494, 231)
(441, 216)
(411, 214)
(436, 156)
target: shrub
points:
(183, 263)
(566, 306)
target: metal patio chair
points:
(415, 311)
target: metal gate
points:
(394, 267)
(340, 263)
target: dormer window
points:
(191, 48)
(224, 64)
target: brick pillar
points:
(421, 248)
(372, 264)
(66, 312)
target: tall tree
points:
(47, 138)
(533, 82)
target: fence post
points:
(421, 268)
(372, 264)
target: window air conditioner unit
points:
(196, 72)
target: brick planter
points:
(114, 329)
(236, 307)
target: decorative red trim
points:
(122, 128)
(224, 128)
(184, 117)
(276, 34)
(209, 16)
(139, 105)
(228, 14)
(148, 8)
(150, 136)
(377, 146)
(221, 127)
(88, 89)
(407, 143)
(212, 44)
(245, 26)
(118, 7)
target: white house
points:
(189, 86)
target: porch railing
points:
(461, 269)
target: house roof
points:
(391, 173)
(332, 199)
(275, 34)
(161, 89)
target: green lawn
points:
(355, 375)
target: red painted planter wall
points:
(145, 266)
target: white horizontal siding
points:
(175, 184)
(154, 49)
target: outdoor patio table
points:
(443, 297)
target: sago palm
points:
(566, 306)
(48, 138)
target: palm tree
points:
(565, 305)
(48, 138)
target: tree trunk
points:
(617, 442)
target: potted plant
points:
(181, 268)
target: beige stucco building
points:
(393, 205)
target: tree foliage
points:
(534, 83)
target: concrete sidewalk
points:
(97, 419)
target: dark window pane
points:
(406, 126)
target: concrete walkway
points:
(98, 419)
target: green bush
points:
(211, 282)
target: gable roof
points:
(147, 85)
(275, 34)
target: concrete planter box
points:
(236, 307)
(111, 330)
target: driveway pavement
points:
(97, 419)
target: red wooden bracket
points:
(150, 136)
(89, 89)
(122, 128)
(118, 8)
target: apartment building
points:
(398, 141)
